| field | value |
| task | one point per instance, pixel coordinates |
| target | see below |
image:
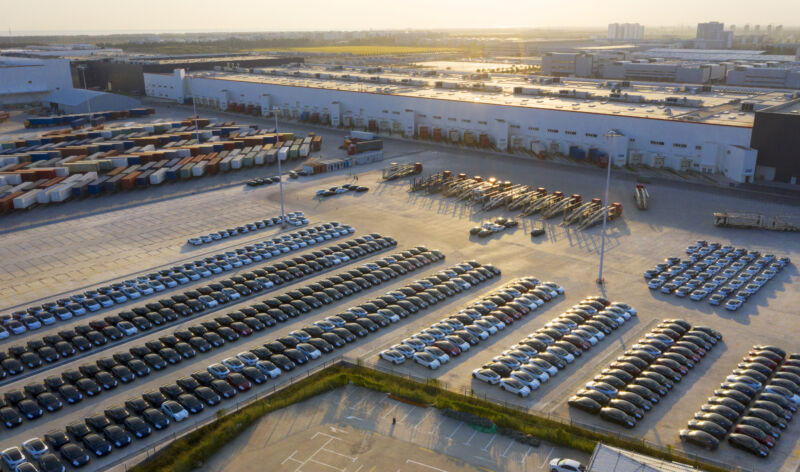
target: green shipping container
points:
(186, 171)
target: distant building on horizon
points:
(625, 32)
(712, 35)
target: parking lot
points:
(351, 430)
(51, 252)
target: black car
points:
(10, 417)
(190, 403)
(746, 443)
(254, 375)
(56, 439)
(137, 426)
(117, 436)
(98, 422)
(70, 394)
(96, 444)
(283, 362)
(207, 395)
(49, 402)
(223, 388)
(30, 409)
(74, 455)
(117, 414)
(155, 418)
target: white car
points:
(219, 371)
(440, 355)
(486, 326)
(247, 357)
(404, 349)
(35, 448)
(393, 356)
(414, 343)
(127, 328)
(567, 465)
(174, 410)
(526, 379)
(542, 375)
(233, 364)
(554, 286)
(268, 368)
(309, 350)
(463, 345)
(476, 331)
(515, 386)
(426, 360)
(487, 375)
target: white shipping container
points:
(44, 196)
(61, 171)
(61, 192)
(157, 177)
(199, 169)
(259, 158)
(367, 136)
(305, 150)
(184, 152)
(23, 187)
(236, 162)
(26, 199)
(121, 161)
(283, 153)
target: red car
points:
(502, 317)
(510, 312)
(239, 382)
(756, 434)
(448, 347)
(242, 328)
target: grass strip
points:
(191, 451)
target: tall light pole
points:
(600, 279)
(82, 68)
(280, 173)
(196, 126)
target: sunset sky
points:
(103, 16)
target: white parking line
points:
(389, 412)
(505, 453)
(455, 430)
(527, 453)
(486, 447)
(410, 410)
(435, 428)
(470, 438)
(544, 462)
(409, 461)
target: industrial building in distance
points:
(684, 128)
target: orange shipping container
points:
(129, 181)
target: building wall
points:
(505, 125)
(777, 140)
(29, 80)
(772, 77)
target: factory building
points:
(684, 129)
(657, 71)
(763, 75)
(776, 137)
(125, 74)
(29, 80)
(568, 64)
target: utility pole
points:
(275, 111)
(600, 280)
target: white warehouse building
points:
(642, 124)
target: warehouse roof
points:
(611, 459)
(72, 96)
(718, 106)
(717, 55)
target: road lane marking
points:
(474, 432)
(486, 447)
(409, 461)
(505, 453)
(455, 430)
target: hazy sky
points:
(105, 16)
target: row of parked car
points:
(752, 405)
(90, 380)
(434, 346)
(329, 192)
(523, 367)
(259, 181)
(155, 410)
(296, 218)
(725, 275)
(629, 387)
(114, 328)
(78, 304)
